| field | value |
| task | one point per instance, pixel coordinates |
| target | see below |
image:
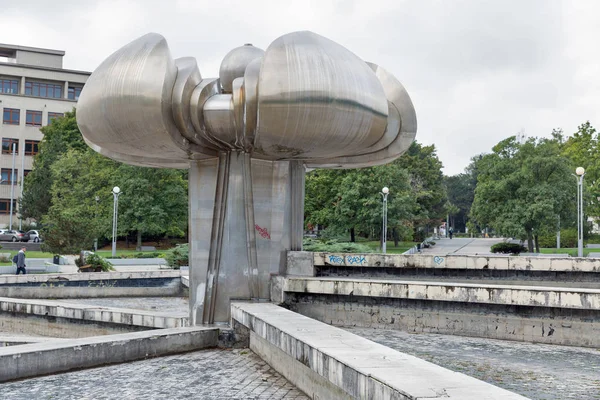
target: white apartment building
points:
(34, 88)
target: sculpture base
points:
(244, 216)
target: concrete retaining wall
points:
(302, 263)
(92, 284)
(586, 299)
(326, 362)
(566, 316)
(525, 324)
(50, 308)
(30, 360)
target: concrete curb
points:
(327, 362)
(147, 319)
(30, 360)
(536, 296)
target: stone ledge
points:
(88, 276)
(30, 360)
(147, 319)
(536, 296)
(341, 361)
(301, 264)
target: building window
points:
(9, 86)
(39, 89)
(5, 206)
(11, 116)
(26, 172)
(74, 92)
(33, 118)
(52, 115)
(7, 145)
(31, 147)
(6, 175)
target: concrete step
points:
(521, 295)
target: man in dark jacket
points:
(21, 261)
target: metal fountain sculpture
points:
(247, 139)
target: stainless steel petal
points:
(125, 106)
(234, 64)
(399, 98)
(317, 99)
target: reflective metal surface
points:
(247, 138)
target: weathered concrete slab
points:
(59, 309)
(29, 360)
(584, 264)
(92, 284)
(536, 296)
(300, 263)
(327, 362)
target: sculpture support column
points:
(236, 244)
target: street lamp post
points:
(384, 192)
(96, 222)
(580, 171)
(116, 192)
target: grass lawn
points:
(390, 248)
(571, 251)
(41, 254)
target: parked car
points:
(35, 236)
(14, 236)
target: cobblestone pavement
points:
(208, 374)
(160, 304)
(537, 371)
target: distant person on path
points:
(21, 261)
(450, 232)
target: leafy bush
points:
(178, 256)
(568, 238)
(508, 248)
(97, 261)
(5, 259)
(333, 246)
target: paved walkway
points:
(537, 371)
(462, 246)
(209, 374)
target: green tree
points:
(522, 189)
(583, 150)
(60, 136)
(349, 200)
(154, 201)
(68, 177)
(426, 180)
(74, 218)
(460, 190)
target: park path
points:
(462, 246)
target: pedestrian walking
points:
(21, 261)
(450, 232)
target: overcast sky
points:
(477, 71)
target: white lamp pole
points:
(580, 171)
(384, 192)
(116, 192)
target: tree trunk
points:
(139, 239)
(529, 242)
(352, 235)
(537, 244)
(395, 234)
